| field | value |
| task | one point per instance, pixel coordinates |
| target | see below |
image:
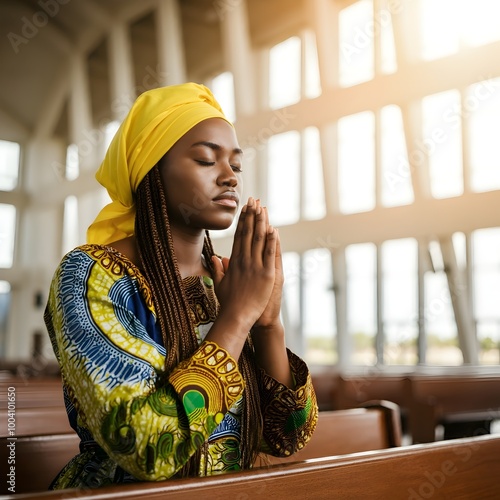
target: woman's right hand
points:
(244, 282)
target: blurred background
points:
(371, 129)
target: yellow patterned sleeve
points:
(208, 383)
(98, 323)
(289, 415)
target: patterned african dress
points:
(134, 423)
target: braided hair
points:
(159, 264)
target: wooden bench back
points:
(37, 421)
(458, 469)
(455, 394)
(354, 390)
(325, 384)
(348, 431)
(443, 400)
(38, 459)
(338, 433)
(32, 393)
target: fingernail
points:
(270, 229)
(251, 202)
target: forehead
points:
(214, 130)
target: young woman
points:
(173, 359)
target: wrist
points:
(276, 330)
(272, 325)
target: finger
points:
(279, 258)
(267, 217)
(260, 233)
(270, 250)
(247, 230)
(218, 270)
(235, 251)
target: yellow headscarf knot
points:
(156, 121)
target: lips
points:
(227, 199)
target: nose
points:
(227, 176)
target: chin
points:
(219, 225)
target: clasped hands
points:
(249, 284)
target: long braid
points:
(156, 252)
(157, 256)
(251, 425)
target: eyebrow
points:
(215, 147)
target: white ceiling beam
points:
(10, 120)
(53, 103)
(41, 22)
(428, 218)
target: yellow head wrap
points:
(156, 121)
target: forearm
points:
(270, 352)
(229, 332)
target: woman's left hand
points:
(271, 315)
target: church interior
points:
(370, 130)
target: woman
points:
(174, 360)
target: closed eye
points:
(205, 163)
(236, 168)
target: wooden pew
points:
(35, 406)
(353, 390)
(375, 427)
(38, 459)
(32, 392)
(450, 400)
(337, 433)
(325, 384)
(36, 421)
(459, 469)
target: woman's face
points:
(201, 176)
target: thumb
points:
(225, 263)
(218, 270)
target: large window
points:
(396, 178)
(223, 89)
(318, 307)
(70, 224)
(447, 25)
(482, 109)
(5, 298)
(361, 264)
(283, 178)
(284, 73)
(9, 165)
(442, 143)
(295, 177)
(356, 153)
(293, 70)
(486, 272)
(7, 234)
(313, 194)
(400, 301)
(356, 44)
(440, 324)
(72, 162)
